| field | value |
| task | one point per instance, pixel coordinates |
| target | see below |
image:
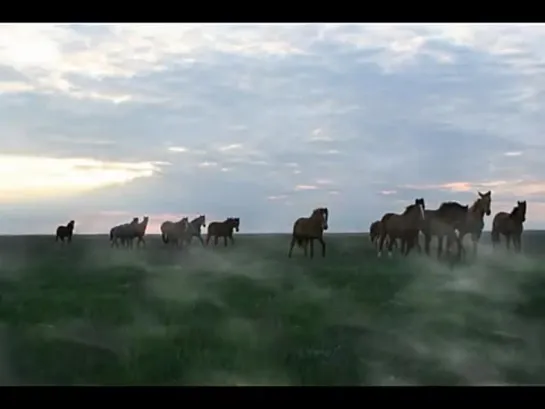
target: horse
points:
(307, 229)
(442, 223)
(402, 226)
(124, 232)
(474, 222)
(223, 229)
(195, 229)
(510, 225)
(139, 230)
(175, 232)
(65, 231)
(374, 232)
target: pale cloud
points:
(30, 178)
(305, 187)
(180, 149)
(233, 146)
(383, 113)
(208, 164)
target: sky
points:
(103, 123)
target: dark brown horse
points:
(442, 223)
(223, 229)
(474, 222)
(401, 226)
(510, 225)
(65, 232)
(374, 231)
(308, 229)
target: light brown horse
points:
(123, 232)
(401, 226)
(175, 233)
(510, 225)
(139, 232)
(474, 221)
(442, 223)
(223, 229)
(308, 229)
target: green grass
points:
(88, 314)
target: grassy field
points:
(248, 315)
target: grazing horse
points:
(195, 229)
(175, 232)
(65, 231)
(124, 232)
(474, 222)
(510, 225)
(402, 226)
(307, 229)
(442, 223)
(223, 229)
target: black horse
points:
(65, 232)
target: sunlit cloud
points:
(27, 178)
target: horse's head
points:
(146, 219)
(322, 214)
(234, 222)
(71, 224)
(521, 210)
(202, 220)
(484, 201)
(421, 205)
(134, 220)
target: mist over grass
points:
(248, 315)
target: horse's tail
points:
(164, 237)
(111, 234)
(495, 235)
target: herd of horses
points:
(451, 221)
(176, 233)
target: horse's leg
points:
(232, 238)
(475, 237)
(391, 241)
(517, 242)
(427, 241)
(508, 241)
(311, 248)
(292, 244)
(225, 241)
(322, 242)
(381, 244)
(439, 246)
(201, 240)
(216, 238)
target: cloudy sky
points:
(266, 122)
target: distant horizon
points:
(236, 234)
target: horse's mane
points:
(515, 210)
(409, 208)
(452, 206)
